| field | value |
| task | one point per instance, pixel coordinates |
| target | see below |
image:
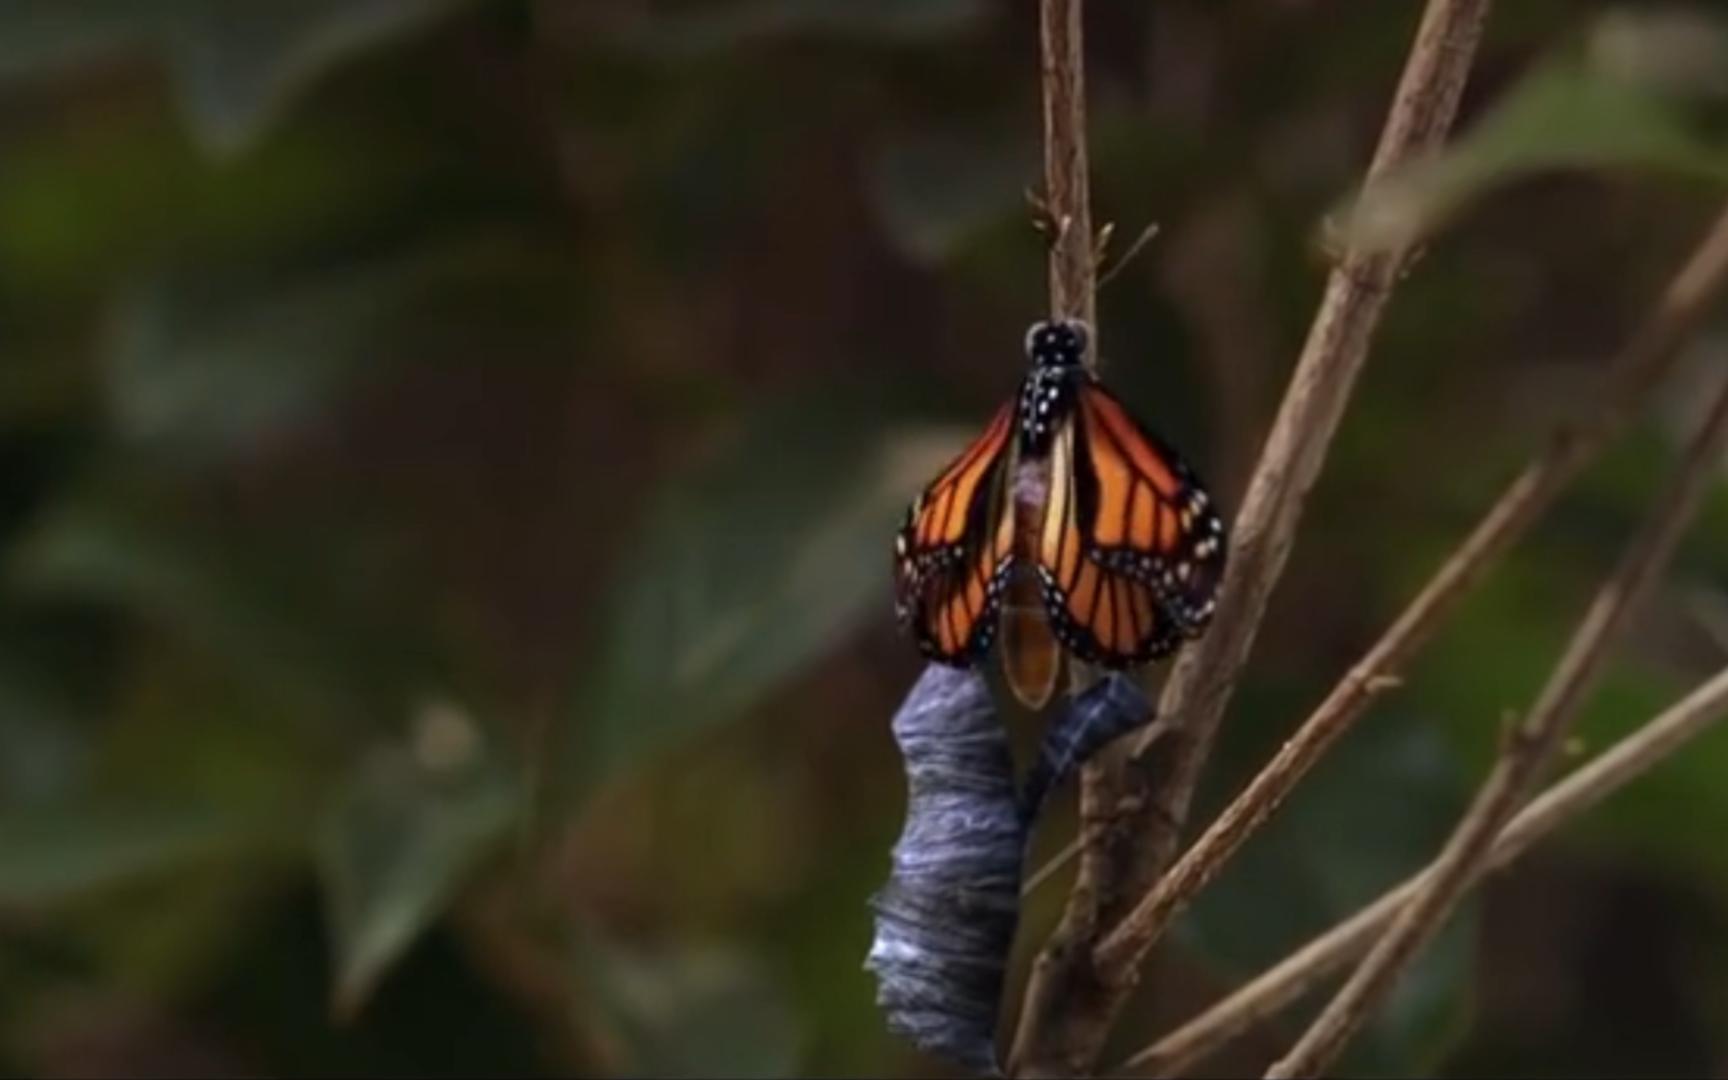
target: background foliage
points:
(448, 451)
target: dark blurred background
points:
(449, 451)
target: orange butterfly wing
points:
(1131, 552)
(952, 551)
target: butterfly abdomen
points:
(1030, 657)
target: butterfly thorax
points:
(1057, 352)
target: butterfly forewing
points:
(951, 550)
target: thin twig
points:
(1710, 611)
(1529, 747)
(1280, 986)
(1050, 869)
(1062, 858)
(1633, 374)
(1132, 807)
(1128, 256)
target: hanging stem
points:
(1073, 293)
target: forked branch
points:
(1132, 807)
(1529, 747)
(1633, 374)
(1282, 985)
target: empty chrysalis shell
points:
(946, 918)
(1112, 706)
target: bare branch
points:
(1132, 806)
(1530, 745)
(1646, 358)
(1578, 793)
(1073, 266)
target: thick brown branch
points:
(1132, 806)
(1632, 375)
(1280, 986)
(1530, 745)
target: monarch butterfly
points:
(1065, 523)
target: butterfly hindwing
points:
(1131, 552)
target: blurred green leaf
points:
(740, 23)
(49, 855)
(1377, 806)
(235, 65)
(42, 746)
(400, 837)
(692, 1010)
(1430, 1011)
(166, 934)
(1655, 821)
(35, 36)
(209, 360)
(208, 372)
(1609, 106)
(283, 611)
(748, 569)
(936, 190)
(216, 734)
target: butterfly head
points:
(1057, 344)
